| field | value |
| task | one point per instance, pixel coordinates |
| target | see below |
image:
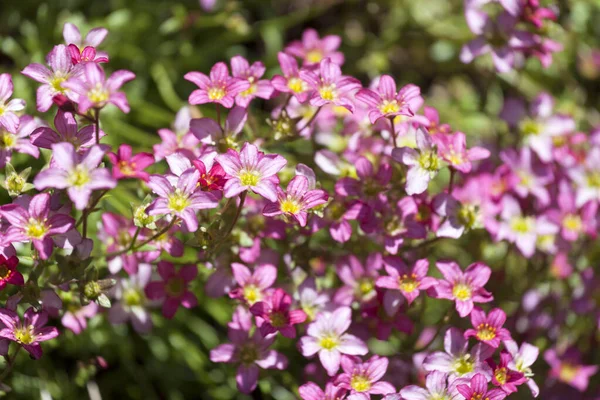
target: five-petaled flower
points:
(330, 86)
(127, 165)
(173, 287)
(387, 103)
(274, 314)
(29, 332)
(488, 328)
(8, 118)
(218, 88)
(364, 378)
(409, 281)
(9, 273)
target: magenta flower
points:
(19, 141)
(251, 169)
(65, 130)
(252, 285)
(310, 391)
(568, 368)
(456, 360)
(573, 221)
(423, 165)
(181, 198)
(77, 173)
(212, 175)
(96, 91)
(8, 118)
(290, 82)
(85, 55)
(436, 388)
(312, 49)
(364, 378)
(488, 328)
(94, 37)
(330, 86)
(126, 165)
(173, 288)
(587, 178)
(53, 79)
(327, 336)
(9, 273)
(453, 149)
(241, 69)
(359, 281)
(387, 103)
(522, 359)
(466, 288)
(409, 281)
(219, 88)
(76, 319)
(248, 352)
(531, 177)
(503, 377)
(274, 314)
(296, 201)
(28, 333)
(179, 139)
(35, 224)
(478, 389)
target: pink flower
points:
(387, 103)
(466, 288)
(274, 314)
(503, 377)
(219, 88)
(208, 130)
(330, 86)
(65, 126)
(488, 328)
(240, 68)
(290, 82)
(93, 38)
(478, 389)
(131, 304)
(310, 391)
(77, 173)
(363, 378)
(96, 91)
(35, 224)
(76, 319)
(408, 281)
(252, 285)
(173, 288)
(423, 165)
(127, 166)
(572, 220)
(9, 273)
(86, 55)
(327, 336)
(359, 281)
(296, 201)
(249, 353)
(8, 118)
(436, 387)
(212, 175)
(180, 139)
(53, 79)
(456, 360)
(521, 360)
(453, 149)
(28, 333)
(19, 141)
(181, 197)
(251, 169)
(313, 49)
(568, 368)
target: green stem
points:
(133, 247)
(10, 363)
(237, 213)
(97, 125)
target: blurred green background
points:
(415, 41)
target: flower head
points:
(173, 287)
(8, 117)
(18, 141)
(274, 314)
(310, 391)
(9, 273)
(251, 169)
(252, 285)
(409, 281)
(522, 359)
(262, 88)
(478, 389)
(364, 377)
(312, 49)
(488, 328)
(78, 173)
(218, 88)
(386, 102)
(504, 377)
(29, 332)
(65, 130)
(290, 82)
(436, 388)
(330, 86)
(568, 368)
(453, 149)
(126, 165)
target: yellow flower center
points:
(568, 372)
(572, 222)
(14, 183)
(98, 94)
(530, 127)
(461, 291)
(250, 91)
(314, 56)
(36, 229)
(408, 283)
(501, 375)
(132, 297)
(429, 161)
(329, 342)
(7, 140)
(389, 106)
(126, 168)
(296, 85)
(328, 92)
(25, 335)
(522, 224)
(365, 286)
(79, 176)
(216, 93)
(486, 332)
(178, 201)
(467, 215)
(464, 365)
(593, 179)
(249, 178)
(252, 294)
(360, 383)
(290, 206)
(56, 83)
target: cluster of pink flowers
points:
(339, 258)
